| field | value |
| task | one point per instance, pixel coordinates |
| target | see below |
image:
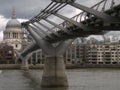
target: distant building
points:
(13, 35)
(38, 57)
(6, 54)
(12, 39)
(87, 52)
(101, 52)
(71, 56)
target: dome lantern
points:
(13, 23)
(13, 14)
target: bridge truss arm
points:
(105, 17)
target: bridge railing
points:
(55, 7)
(100, 6)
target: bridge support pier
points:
(24, 65)
(54, 72)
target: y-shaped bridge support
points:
(54, 68)
(25, 55)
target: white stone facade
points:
(102, 53)
(12, 34)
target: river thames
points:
(79, 79)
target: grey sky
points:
(26, 9)
(29, 8)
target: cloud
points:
(22, 20)
(27, 9)
(1, 36)
(3, 22)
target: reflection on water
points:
(0, 71)
(79, 79)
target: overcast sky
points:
(26, 9)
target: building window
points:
(17, 35)
(16, 46)
(9, 35)
(13, 35)
(9, 53)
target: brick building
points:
(6, 54)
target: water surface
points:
(79, 79)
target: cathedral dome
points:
(13, 23)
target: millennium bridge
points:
(96, 20)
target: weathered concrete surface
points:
(54, 73)
(24, 65)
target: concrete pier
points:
(24, 65)
(54, 73)
(54, 69)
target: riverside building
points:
(90, 52)
(97, 52)
(6, 54)
(103, 53)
